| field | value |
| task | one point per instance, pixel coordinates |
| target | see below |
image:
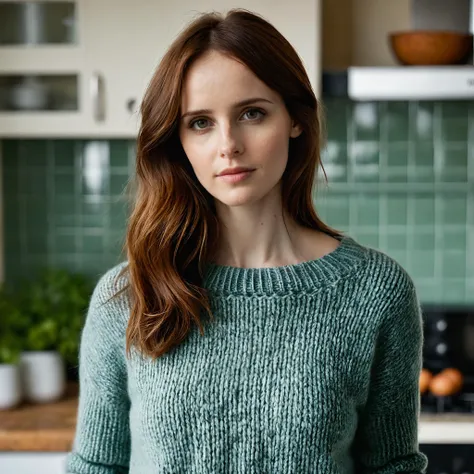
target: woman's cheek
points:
(197, 156)
(205, 175)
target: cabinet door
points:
(126, 39)
(32, 463)
(43, 89)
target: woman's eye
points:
(202, 124)
(254, 114)
(199, 124)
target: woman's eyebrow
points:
(242, 103)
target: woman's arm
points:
(386, 441)
(102, 439)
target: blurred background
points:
(396, 83)
(400, 168)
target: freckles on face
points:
(229, 119)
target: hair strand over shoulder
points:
(173, 227)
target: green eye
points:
(254, 114)
(201, 124)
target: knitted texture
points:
(306, 368)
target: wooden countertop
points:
(447, 417)
(41, 427)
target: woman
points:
(309, 361)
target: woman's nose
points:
(230, 143)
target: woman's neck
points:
(267, 239)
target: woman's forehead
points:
(220, 80)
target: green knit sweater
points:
(307, 368)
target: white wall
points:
(355, 31)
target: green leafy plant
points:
(8, 353)
(57, 302)
(12, 328)
(53, 308)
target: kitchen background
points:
(400, 173)
(400, 179)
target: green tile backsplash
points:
(64, 204)
(401, 179)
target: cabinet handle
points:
(98, 97)
(131, 105)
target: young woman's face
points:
(230, 119)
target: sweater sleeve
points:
(102, 439)
(386, 441)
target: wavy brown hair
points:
(173, 227)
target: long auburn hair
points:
(173, 227)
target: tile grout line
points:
(383, 203)
(410, 196)
(22, 207)
(107, 219)
(469, 260)
(439, 203)
(383, 198)
(50, 195)
(350, 172)
(79, 150)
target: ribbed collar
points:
(300, 277)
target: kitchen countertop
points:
(446, 428)
(40, 427)
(51, 427)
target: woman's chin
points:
(237, 197)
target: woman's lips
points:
(236, 177)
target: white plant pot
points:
(43, 376)
(10, 386)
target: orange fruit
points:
(455, 375)
(425, 379)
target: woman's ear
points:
(296, 130)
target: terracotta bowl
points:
(431, 48)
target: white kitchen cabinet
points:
(119, 44)
(32, 463)
(27, 55)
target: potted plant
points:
(10, 382)
(10, 348)
(55, 305)
(42, 366)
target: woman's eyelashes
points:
(201, 124)
(260, 113)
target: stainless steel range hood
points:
(411, 83)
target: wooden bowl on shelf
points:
(431, 48)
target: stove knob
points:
(441, 349)
(441, 325)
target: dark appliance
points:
(449, 342)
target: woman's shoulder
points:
(382, 266)
(387, 279)
(110, 300)
(367, 264)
